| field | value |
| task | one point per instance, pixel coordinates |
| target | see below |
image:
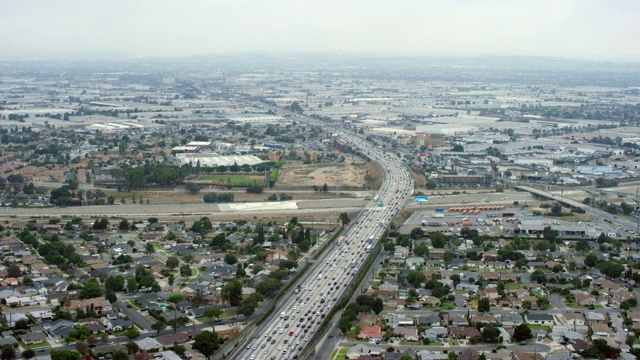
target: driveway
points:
(557, 301)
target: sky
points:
(578, 29)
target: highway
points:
(286, 333)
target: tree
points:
(124, 225)
(522, 333)
(91, 290)
(159, 326)
(149, 249)
(132, 285)
(177, 323)
(344, 218)
(172, 262)
(590, 260)
(556, 209)
(438, 240)
(143, 356)
(206, 342)
(114, 283)
(8, 353)
(132, 333)
(491, 334)
(185, 270)
(232, 292)
(64, 355)
(377, 305)
(458, 148)
(527, 304)
(132, 347)
(344, 325)
(538, 276)
(230, 259)
(120, 355)
(484, 305)
(28, 354)
(611, 269)
(14, 271)
(212, 312)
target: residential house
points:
(412, 262)
(59, 329)
(585, 299)
(371, 333)
(484, 318)
(539, 319)
(100, 305)
(595, 318)
(119, 324)
(602, 330)
(502, 354)
(428, 320)
(468, 354)
(431, 355)
(574, 318)
(511, 320)
(459, 321)
(435, 333)
(147, 344)
(406, 333)
(359, 350)
(464, 332)
(33, 338)
(430, 301)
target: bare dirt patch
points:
(343, 175)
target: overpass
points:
(547, 195)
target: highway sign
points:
(420, 198)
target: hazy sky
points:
(582, 29)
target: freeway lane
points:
(291, 327)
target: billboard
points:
(420, 198)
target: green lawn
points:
(573, 305)
(447, 306)
(410, 343)
(236, 180)
(512, 286)
(43, 344)
(539, 327)
(339, 354)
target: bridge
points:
(547, 195)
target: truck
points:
(341, 241)
(370, 239)
(437, 215)
(369, 247)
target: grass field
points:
(236, 180)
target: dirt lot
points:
(344, 175)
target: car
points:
(523, 342)
(263, 346)
(290, 333)
(273, 342)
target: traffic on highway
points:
(289, 330)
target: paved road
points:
(135, 316)
(298, 316)
(165, 210)
(479, 348)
